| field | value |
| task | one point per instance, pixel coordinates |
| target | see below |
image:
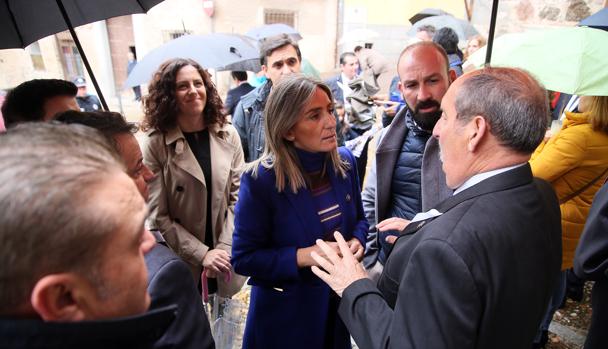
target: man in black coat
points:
(591, 263)
(72, 244)
(234, 95)
(477, 271)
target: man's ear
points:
(452, 75)
(476, 130)
(265, 70)
(55, 296)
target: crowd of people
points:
(460, 236)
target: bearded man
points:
(393, 187)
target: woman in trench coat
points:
(197, 157)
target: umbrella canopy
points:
(463, 28)
(358, 35)
(580, 69)
(427, 12)
(24, 21)
(597, 20)
(269, 30)
(214, 51)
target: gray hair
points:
(285, 104)
(47, 222)
(512, 102)
(273, 43)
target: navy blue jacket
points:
(289, 307)
(234, 96)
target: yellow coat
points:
(570, 160)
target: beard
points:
(427, 121)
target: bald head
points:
(424, 77)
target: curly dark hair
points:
(160, 105)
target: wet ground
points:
(570, 324)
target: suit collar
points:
(516, 177)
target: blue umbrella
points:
(269, 30)
(212, 51)
(597, 20)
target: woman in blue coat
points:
(303, 188)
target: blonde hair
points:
(598, 113)
(287, 100)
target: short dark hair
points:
(448, 39)
(108, 123)
(344, 55)
(239, 75)
(26, 101)
(358, 48)
(273, 43)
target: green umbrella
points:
(572, 60)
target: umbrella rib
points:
(140, 5)
(8, 6)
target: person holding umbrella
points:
(196, 155)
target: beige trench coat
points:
(178, 195)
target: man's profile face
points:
(452, 141)
(281, 62)
(133, 159)
(58, 104)
(350, 66)
(121, 288)
(424, 79)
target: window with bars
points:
(174, 34)
(272, 16)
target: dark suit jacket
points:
(591, 263)
(336, 91)
(170, 282)
(478, 276)
(234, 96)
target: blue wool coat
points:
(289, 307)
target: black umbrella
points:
(427, 12)
(24, 21)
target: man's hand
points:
(337, 272)
(303, 255)
(393, 223)
(217, 261)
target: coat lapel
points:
(306, 211)
(184, 157)
(386, 157)
(221, 162)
